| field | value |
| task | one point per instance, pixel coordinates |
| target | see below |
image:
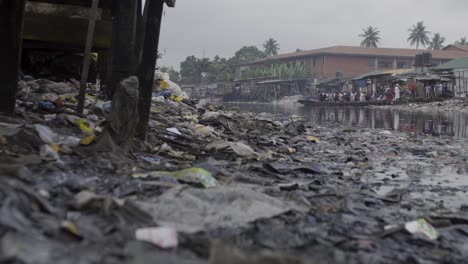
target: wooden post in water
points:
(152, 27)
(87, 55)
(11, 23)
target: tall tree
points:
(437, 42)
(271, 47)
(188, 70)
(462, 41)
(203, 67)
(371, 37)
(419, 35)
(246, 54)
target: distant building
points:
(348, 62)
(456, 47)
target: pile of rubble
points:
(215, 186)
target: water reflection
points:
(435, 123)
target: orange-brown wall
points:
(350, 66)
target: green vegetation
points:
(462, 41)
(371, 37)
(437, 42)
(419, 35)
(271, 47)
(280, 71)
(200, 70)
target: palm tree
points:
(437, 42)
(271, 47)
(371, 37)
(419, 35)
(462, 41)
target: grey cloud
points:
(220, 27)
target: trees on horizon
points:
(462, 41)
(419, 35)
(437, 42)
(271, 47)
(371, 37)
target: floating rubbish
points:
(163, 237)
(421, 226)
(193, 175)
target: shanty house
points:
(458, 69)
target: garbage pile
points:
(216, 186)
(452, 105)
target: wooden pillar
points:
(104, 64)
(11, 23)
(152, 27)
(123, 42)
(87, 55)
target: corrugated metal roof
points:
(363, 51)
(454, 64)
(386, 72)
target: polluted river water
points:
(433, 123)
(437, 123)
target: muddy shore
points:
(265, 190)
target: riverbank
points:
(228, 187)
(452, 105)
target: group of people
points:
(391, 92)
(347, 97)
(395, 93)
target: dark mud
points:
(303, 193)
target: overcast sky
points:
(221, 27)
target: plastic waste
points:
(195, 175)
(191, 209)
(238, 148)
(421, 226)
(9, 130)
(49, 153)
(50, 137)
(158, 99)
(163, 237)
(313, 139)
(47, 105)
(87, 140)
(167, 84)
(83, 126)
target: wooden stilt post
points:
(147, 66)
(123, 43)
(87, 55)
(11, 21)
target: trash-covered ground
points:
(458, 105)
(213, 186)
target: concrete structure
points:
(347, 62)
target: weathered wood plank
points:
(87, 55)
(63, 30)
(147, 66)
(11, 21)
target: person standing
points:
(388, 94)
(397, 93)
(412, 89)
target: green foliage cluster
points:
(280, 71)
